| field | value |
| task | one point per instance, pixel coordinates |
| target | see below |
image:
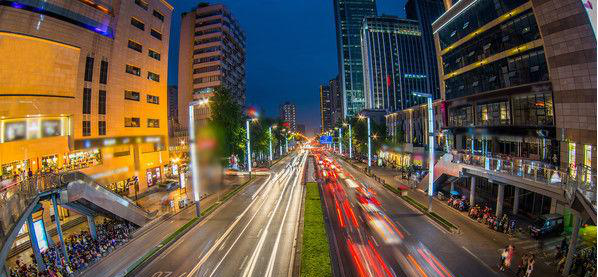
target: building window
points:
(154, 54)
(89, 69)
(142, 4)
(104, 72)
(156, 34)
(206, 79)
(87, 101)
(206, 69)
(132, 95)
(533, 109)
(587, 162)
(572, 166)
(102, 128)
(86, 128)
(137, 23)
(133, 70)
(153, 76)
(153, 123)
(158, 15)
(135, 46)
(461, 117)
(493, 114)
(132, 122)
(152, 99)
(102, 102)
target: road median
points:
(315, 253)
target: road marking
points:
(277, 242)
(230, 228)
(479, 260)
(242, 232)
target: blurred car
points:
(170, 185)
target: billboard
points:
(326, 140)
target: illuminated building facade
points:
(211, 54)
(325, 108)
(348, 16)
(84, 88)
(393, 63)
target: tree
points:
(227, 123)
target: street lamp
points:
(350, 141)
(194, 160)
(369, 140)
(249, 144)
(430, 146)
(270, 146)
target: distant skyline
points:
(291, 50)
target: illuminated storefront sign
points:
(33, 128)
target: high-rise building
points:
(173, 100)
(211, 54)
(337, 101)
(84, 88)
(349, 15)
(393, 63)
(518, 105)
(326, 108)
(301, 128)
(425, 12)
(287, 114)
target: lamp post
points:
(430, 147)
(248, 146)
(350, 141)
(369, 140)
(194, 159)
(270, 146)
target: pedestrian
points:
(530, 265)
(506, 257)
(522, 267)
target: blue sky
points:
(291, 50)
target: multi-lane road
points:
(375, 233)
(253, 234)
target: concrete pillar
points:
(572, 245)
(516, 201)
(33, 239)
(59, 228)
(500, 199)
(472, 192)
(552, 205)
(452, 187)
(92, 226)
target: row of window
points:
(525, 68)
(512, 33)
(206, 50)
(207, 79)
(206, 69)
(87, 101)
(133, 70)
(139, 48)
(207, 40)
(89, 61)
(141, 26)
(206, 59)
(135, 122)
(136, 96)
(144, 5)
(87, 128)
(535, 109)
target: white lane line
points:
(238, 237)
(223, 237)
(249, 269)
(277, 242)
(479, 260)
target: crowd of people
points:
(82, 251)
(484, 214)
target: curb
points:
(447, 225)
(174, 236)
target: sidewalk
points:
(156, 200)
(483, 242)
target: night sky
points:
(291, 50)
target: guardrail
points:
(581, 179)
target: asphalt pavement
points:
(391, 239)
(252, 235)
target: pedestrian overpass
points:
(578, 192)
(72, 190)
